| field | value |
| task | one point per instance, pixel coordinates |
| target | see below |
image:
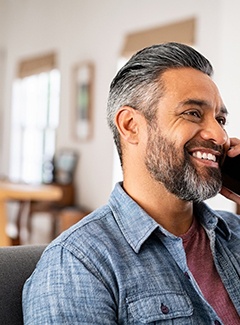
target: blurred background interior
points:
(57, 59)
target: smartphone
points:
(231, 174)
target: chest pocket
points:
(154, 308)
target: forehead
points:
(185, 83)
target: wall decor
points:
(83, 99)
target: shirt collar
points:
(136, 225)
(211, 219)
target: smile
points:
(204, 156)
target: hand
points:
(234, 149)
(232, 152)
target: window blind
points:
(181, 31)
(36, 65)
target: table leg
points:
(23, 211)
(4, 239)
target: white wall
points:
(95, 30)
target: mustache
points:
(205, 144)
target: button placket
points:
(187, 275)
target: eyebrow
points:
(201, 103)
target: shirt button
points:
(164, 309)
(216, 322)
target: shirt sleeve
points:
(64, 290)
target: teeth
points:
(204, 155)
(211, 157)
(198, 154)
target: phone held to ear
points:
(231, 174)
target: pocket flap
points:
(153, 307)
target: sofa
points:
(16, 265)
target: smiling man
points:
(155, 253)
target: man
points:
(155, 254)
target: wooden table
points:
(24, 194)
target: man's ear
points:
(127, 122)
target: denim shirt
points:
(118, 266)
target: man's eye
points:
(222, 120)
(194, 114)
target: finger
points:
(234, 147)
(234, 141)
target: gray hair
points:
(138, 82)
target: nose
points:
(213, 131)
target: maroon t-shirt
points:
(200, 262)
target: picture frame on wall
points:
(65, 163)
(83, 100)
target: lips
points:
(208, 152)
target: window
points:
(35, 116)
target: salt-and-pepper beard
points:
(168, 165)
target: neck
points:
(173, 214)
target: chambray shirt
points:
(118, 266)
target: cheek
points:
(185, 130)
(180, 136)
(227, 144)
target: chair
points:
(53, 208)
(16, 265)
